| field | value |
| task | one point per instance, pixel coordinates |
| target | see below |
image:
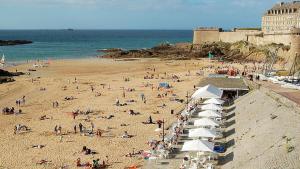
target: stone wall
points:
(254, 37)
(232, 37)
(203, 36)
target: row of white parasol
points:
(211, 110)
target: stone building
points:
(281, 18)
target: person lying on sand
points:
(130, 101)
(44, 117)
(20, 127)
(149, 121)
(43, 162)
(162, 106)
(69, 98)
(107, 117)
(38, 146)
(134, 153)
(126, 135)
(87, 151)
(7, 110)
(131, 112)
(98, 94)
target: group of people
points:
(18, 128)
(55, 104)
(95, 164)
(57, 129)
(7, 110)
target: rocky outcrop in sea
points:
(14, 42)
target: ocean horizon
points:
(70, 44)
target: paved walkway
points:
(291, 94)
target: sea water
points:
(63, 44)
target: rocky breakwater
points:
(14, 42)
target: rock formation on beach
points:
(14, 42)
(10, 74)
(239, 51)
(6, 76)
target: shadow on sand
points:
(230, 123)
(230, 116)
(229, 132)
(225, 159)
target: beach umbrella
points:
(206, 122)
(198, 145)
(202, 132)
(207, 92)
(214, 101)
(209, 114)
(185, 113)
(211, 107)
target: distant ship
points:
(70, 29)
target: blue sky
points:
(131, 14)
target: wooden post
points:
(163, 139)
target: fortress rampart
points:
(280, 25)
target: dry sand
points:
(16, 151)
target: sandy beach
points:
(57, 81)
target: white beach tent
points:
(206, 122)
(214, 101)
(198, 145)
(209, 113)
(207, 92)
(202, 132)
(211, 107)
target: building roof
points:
(286, 5)
(224, 83)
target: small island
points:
(14, 42)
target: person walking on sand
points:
(75, 129)
(99, 133)
(80, 127)
(23, 100)
(92, 88)
(74, 115)
(142, 96)
(150, 120)
(92, 126)
(78, 162)
(55, 129)
(59, 130)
